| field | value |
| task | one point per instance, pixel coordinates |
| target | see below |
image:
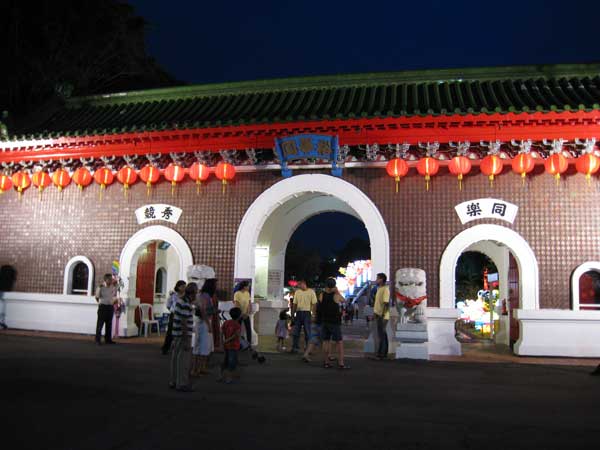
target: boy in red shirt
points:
(231, 344)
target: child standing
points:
(281, 331)
(231, 344)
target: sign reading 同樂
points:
(149, 213)
(486, 208)
(308, 146)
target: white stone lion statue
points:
(411, 295)
(199, 273)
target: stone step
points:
(411, 327)
(406, 350)
(411, 335)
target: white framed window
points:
(160, 282)
(585, 287)
(79, 276)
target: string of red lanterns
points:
(199, 173)
(174, 173)
(149, 175)
(459, 166)
(397, 168)
(82, 178)
(41, 180)
(225, 172)
(428, 167)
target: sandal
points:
(332, 358)
(343, 367)
(327, 365)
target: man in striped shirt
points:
(182, 340)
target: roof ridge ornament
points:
(589, 145)
(524, 145)
(493, 146)
(556, 144)
(431, 148)
(462, 147)
(228, 156)
(251, 154)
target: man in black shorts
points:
(331, 322)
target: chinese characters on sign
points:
(486, 208)
(148, 213)
(307, 146)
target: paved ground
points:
(70, 394)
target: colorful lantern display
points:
(5, 183)
(61, 179)
(587, 164)
(459, 166)
(523, 164)
(149, 175)
(82, 178)
(126, 176)
(174, 173)
(103, 177)
(41, 180)
(225, 172)
(397, 168)
(199, 173)
(21, 181)
(491, 166)
(428, 167)
(556, 164)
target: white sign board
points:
(150, 213)
(486, 208)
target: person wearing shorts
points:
(331, 323)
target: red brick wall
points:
(561, 224)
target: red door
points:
(513, 297)
(144, 282)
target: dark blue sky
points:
(214, 41)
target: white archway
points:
(297, 186)
(528, 266)
(585, 267)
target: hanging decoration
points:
(21, 181)
(199, 173)
(225, 172)
(126, 176)
(522, 164)
(149, 175)
(61, 179)
(41, 180)
(459, 166)
(556, 164)
(397, 168)
(82, 178)
(5, 183)
(491, 166)
(428, 167)
(174, 173)
(587, 164)
(103, 177)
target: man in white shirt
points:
(106, 296)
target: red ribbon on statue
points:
(408, 301)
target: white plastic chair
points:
(146, 319)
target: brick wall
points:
(561, 224)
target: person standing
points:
(305, 301)
(331, 323)
(182, 340)
(381, 311)
(281, 330)
(241, 299)
(231, 345)
(106, 296)
(204, 312)
(178, 292)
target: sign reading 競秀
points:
(486, 208)
(149, 213)
(308, 146)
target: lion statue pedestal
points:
(411, 301)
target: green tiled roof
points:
(430, 92)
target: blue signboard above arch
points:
(308, 146)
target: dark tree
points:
(469, 274)
(301, 262)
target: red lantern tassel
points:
(198, 184)
(427, 178)
(397, 180)
(557, 176)
(173, 184)
(460, 177)
(224, 184)
(148, 186)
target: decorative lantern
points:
(82, 178)
(41, 180)
(428, 167)
(126, 176)
(491, 166)
(61, 179)
(149, 175)
(21, 181)
(523, 164)
(397, 168)
(556, 164)
(199, 173)
(5, 183)
(587, 164)
(174, 173)
(225, 172)
(103, 177)
(459, 166)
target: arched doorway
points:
(151, 249)
(270, 221)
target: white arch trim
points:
(528, 266)
(68, 275)
(154, 233)
(585, 267)
(289, 188)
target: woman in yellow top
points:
(242, 300)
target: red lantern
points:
(397, 168)
(149, 175)
(82, 178)
(21, 181)
(103, 177)
(41, 180)
(174, 173)
(556, 164)
(523, 163)
(126, 176)
(491, 166)
(587, 164)
(428, 167)
(459, 166)
(5, 183)
(61, 179)
(225, 172)
(199, 173)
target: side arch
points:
(580, 270)
(68, 275)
